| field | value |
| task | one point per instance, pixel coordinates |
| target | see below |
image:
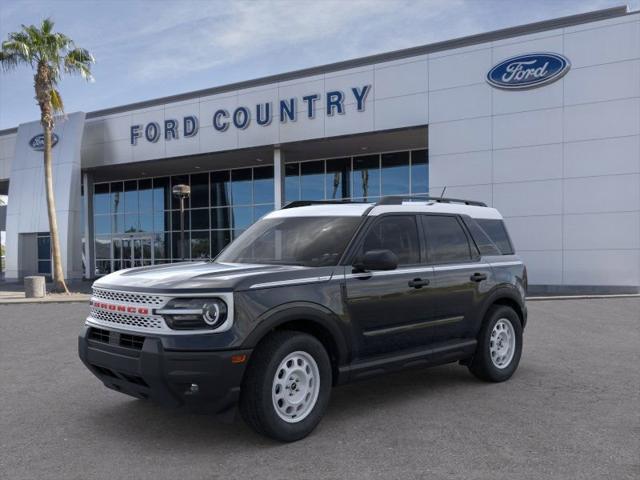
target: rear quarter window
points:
(497, 232)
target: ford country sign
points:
(528, 71)
(37, 142)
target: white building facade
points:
(541, 121)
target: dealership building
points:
(541, 121)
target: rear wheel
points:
(287, 386)
(499, 345)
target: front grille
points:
(130, 298)
(99, 335)
(118, 319)
(131, 341)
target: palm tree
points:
(50, 55)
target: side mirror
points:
(377, 260)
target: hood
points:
(195, 276)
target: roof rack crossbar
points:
(398, 199)
(306, 203)
(387, 200)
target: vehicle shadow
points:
(145, 423)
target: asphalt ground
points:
(572, 411)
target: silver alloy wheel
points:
(296, 386)
(502, 345)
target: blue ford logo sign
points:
(37, 142)
(528, 71)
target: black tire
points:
(482, 365)
(256, 403)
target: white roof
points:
(358, 209)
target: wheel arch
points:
(310, 318)
(508, 297)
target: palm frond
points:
(47, 25)
(56, 101)
(79, 61)
(9, 61)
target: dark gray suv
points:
(311, 296)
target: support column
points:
(278, 177)
(87, 200)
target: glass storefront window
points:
(161, 243)
(131, 203)
(103, 247)
(337, 182)
(200, 190)
(102, 224)
(219, 240)
(241, 187)
(220, 189)
(224, 203)
(161, 194)
(242, 217)
(420, 171)
(199, 245)
(395, 173)
(175, 220)
(312, 180)
(131, 222)
(101, 199)
(145, 195)
(261, 210)
(220, 218)
(366, 177)
(200, 218)
(146, 222)
(292, 182)
(117, 192)
(263, 185)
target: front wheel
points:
(499, 345)
(287, 386)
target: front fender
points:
(316, 314)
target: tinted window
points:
(498, 233)
(482, 240)
(396, 233)
(446, 240)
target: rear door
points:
(387, 309)
(460, 278)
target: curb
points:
(581, 297)
(72, 299)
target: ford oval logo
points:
(528, 71)
(37, 142)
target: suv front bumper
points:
(144, 369)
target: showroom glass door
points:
(132, 251)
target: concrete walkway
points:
(14, 293)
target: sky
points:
(150, 49)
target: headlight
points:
(194, 313)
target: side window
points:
(484, 243)
(398, 233)
(497, 232)
(446, 240)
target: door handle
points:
(418, 282)
(478, 277)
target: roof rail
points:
(306, 203)
(398, 199)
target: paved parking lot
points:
(571, 411)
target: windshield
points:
(308, 241)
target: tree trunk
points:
(43, 86)
(59, 284)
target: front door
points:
(132, 251)
(388, 309)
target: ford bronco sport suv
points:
(311, 296)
